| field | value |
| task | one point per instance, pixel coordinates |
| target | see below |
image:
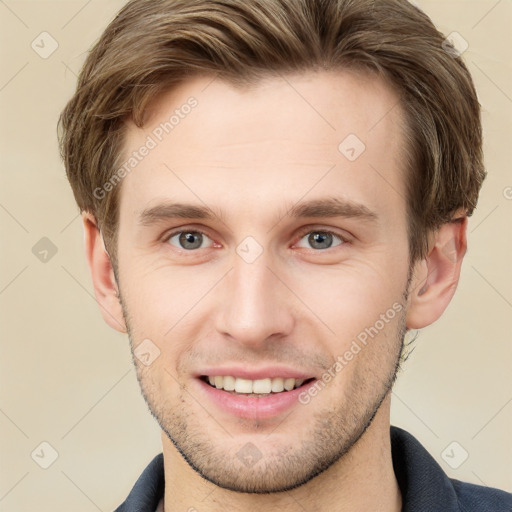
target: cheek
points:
(167, 306)
(352, 296)
(159, 297)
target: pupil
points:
(320, 240)
(187, 240)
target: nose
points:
(255, 306)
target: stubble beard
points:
(333, 433)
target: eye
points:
(188, 240)
(321, 239)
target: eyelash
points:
(302, 232)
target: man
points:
(273, 194)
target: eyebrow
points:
(332, 207)
(165, 211)
(316, 208)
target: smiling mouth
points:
(254, 388)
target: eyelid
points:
(184, 229)
(319, 229)
(304, 230)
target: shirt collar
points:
(423, 483)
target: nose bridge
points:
(254, 306)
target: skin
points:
(254, 153)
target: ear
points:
(103, 278)
(436, 277)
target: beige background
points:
(67, 378)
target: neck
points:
(361, 480)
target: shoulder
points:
(426, 487)
(478, 498)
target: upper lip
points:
(268, 372)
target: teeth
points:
(277, 385)
(288, 384)
(259, 386)
(262, 386)
(229, 383)
(242, 385)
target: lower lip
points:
(253, 407)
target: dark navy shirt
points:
(424, 485)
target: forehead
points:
(280, 135)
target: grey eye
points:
(321, 239)
(188, 240)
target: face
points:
(253, 246)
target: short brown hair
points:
(152, 45)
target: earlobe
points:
(102, 273)
(435, 278)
